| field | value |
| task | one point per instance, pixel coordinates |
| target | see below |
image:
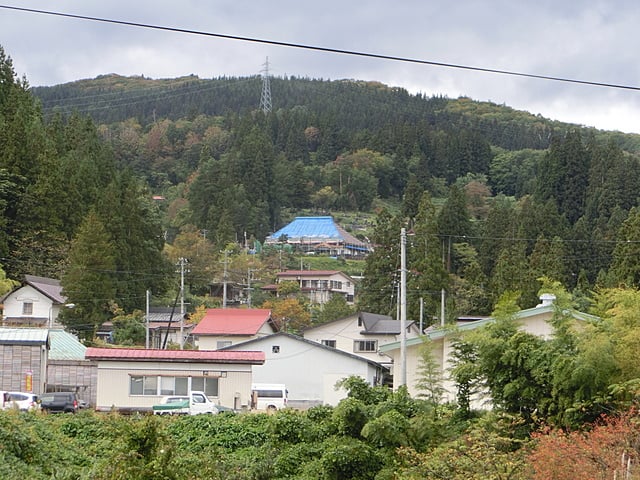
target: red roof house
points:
(221, 327)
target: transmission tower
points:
(265, 98)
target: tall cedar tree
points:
(427, 275)
(378, 293)
(133, 224)
(89, 283)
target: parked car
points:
(59, 402)
(20, 400)
(193, 404)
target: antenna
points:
(265, 98)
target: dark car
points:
(59, 402)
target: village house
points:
(309, 369)
(361, 334)
(221, 327)
(317, 285)
(135, 379)
(440, 339)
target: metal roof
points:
(232, 321)
(65, 346)
(140, 354)
(24, 336)
(48, 286)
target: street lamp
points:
(66, 305)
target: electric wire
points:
(317, 48)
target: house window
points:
(153, 385)
(143, 385)
(174, 385)
(365, 346)
(223, 343)
(207, 385)
(275, 349)
(329, 343)
(27, 308)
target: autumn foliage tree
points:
(608, 450)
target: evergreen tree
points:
(378, 291)
(625, 269)
(133, 224)
(427, 273)
(89, 283)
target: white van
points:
(268, 396)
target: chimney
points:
(546, 299)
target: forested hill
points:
(350, 106)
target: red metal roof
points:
(140, 354)
(232, 321)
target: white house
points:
(221, 327)
(439, 340)
(318, 285)
(361, 334)
(309, 370)
(36, 303)
(130, 379)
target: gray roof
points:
(65, 346)
(24, 336)
(47, 286)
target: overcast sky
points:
(595, 41)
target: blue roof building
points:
(319, 235)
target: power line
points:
(327, 49)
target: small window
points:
(275, 349)
(27, 308)
(329, 343)
(223, 343)
(365, 346)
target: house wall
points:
(113, 381)
(323, 288)
(345, 332)
(442, 350)
(80, 376)
(42, 309)
(17, 362)
(310, 373)
(210, 342)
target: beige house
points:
(221, 327)
(439, 340)
(136, 379)
(318, 285)
(361, 334)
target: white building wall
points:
(113, 382)
(345, 332)
(42, 305)
(309, 372)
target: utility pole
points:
(403, 307)
(224, 279)
(182, 261)
(249, 272)
(265, 97)
(146, 342)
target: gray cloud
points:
(586, 40)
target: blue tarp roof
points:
(319, 228)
